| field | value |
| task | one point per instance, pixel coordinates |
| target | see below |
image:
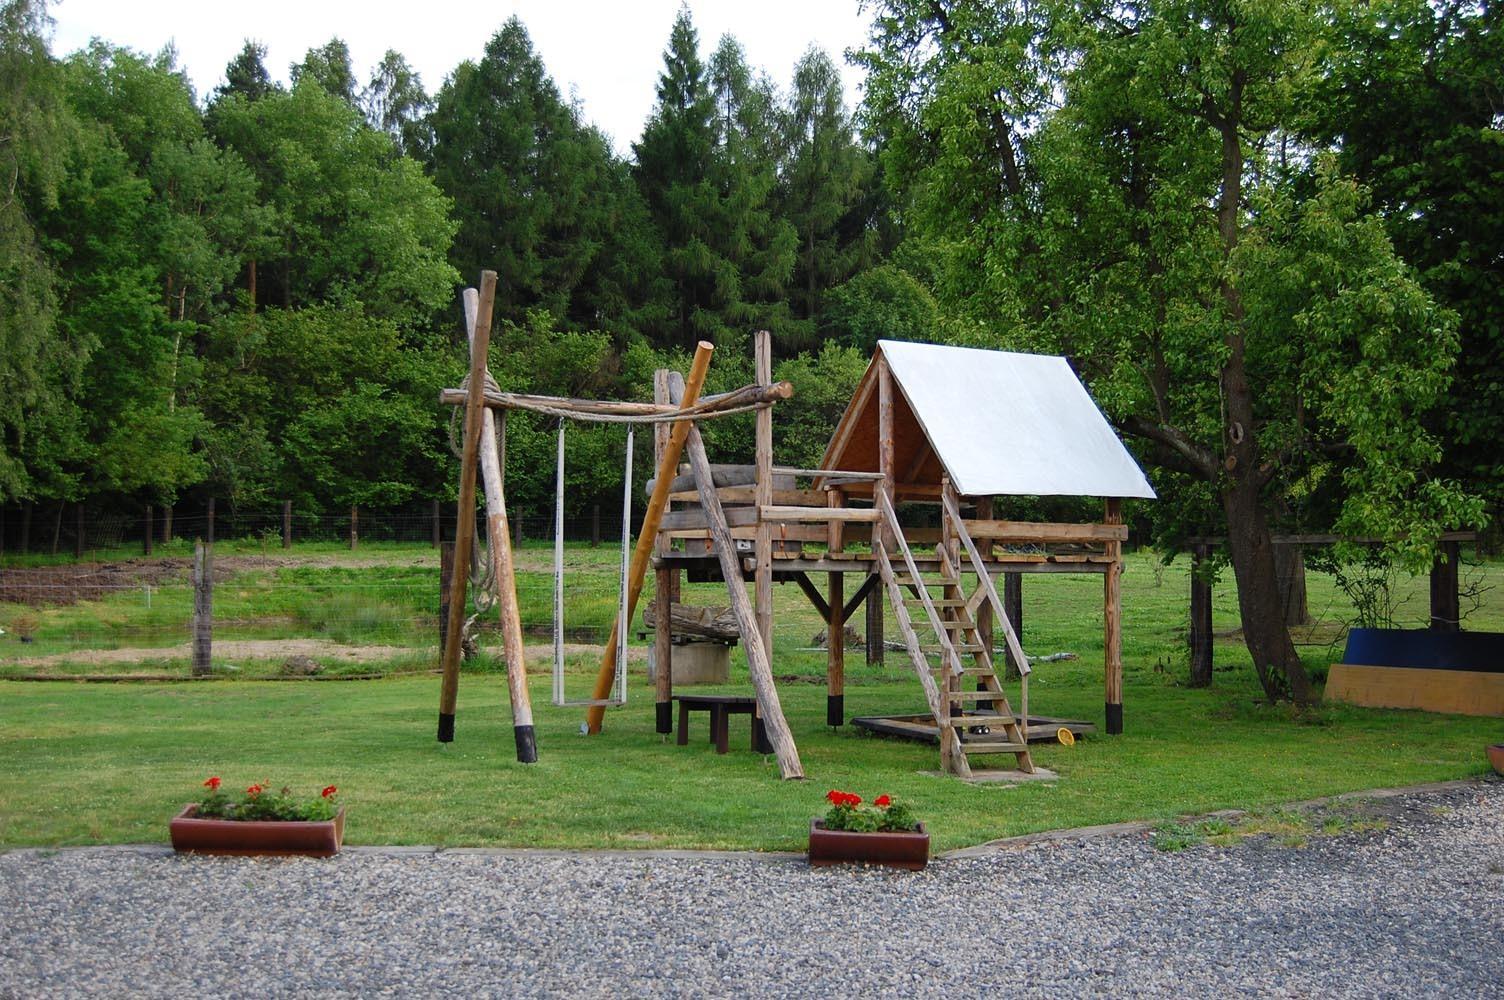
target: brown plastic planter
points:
(1496, 756)
(909, 850)
(316, 839)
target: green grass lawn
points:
(109, 763)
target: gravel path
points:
(1414, 908)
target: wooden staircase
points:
(945, 646)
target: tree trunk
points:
(1290, 564)
(1260, 603)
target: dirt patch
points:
(72, 582)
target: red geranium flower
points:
(853, 800)
(330, 790)
(212, 784)
(255, 790)
(835, 797)
(882, 802)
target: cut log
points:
(690, 619)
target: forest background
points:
(251, 294)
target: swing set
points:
(484, 448)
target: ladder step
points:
(939, 602)
(965, 672)
(972, 748)
(976, 696)
(960, 647)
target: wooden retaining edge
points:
(1006, 844)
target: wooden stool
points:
(721, 707)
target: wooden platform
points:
(922, 728)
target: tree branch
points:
(1202, 461)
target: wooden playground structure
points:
(933, 434)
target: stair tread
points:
(960, 647)
(972, 748)
(975, 695)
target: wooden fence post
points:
(167, 524)
(354, 526)
(438, 531)
(78, 530)
(203, 607)
(1201, 618)
(1446, 609)
(287, 524)
(209, 528)
(147, 530)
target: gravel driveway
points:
(1413, 908)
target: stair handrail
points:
(890, 520)
(1010, 637)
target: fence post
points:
(354, 526)
(446, 576)
(78, 531)
(203, 607)
(1201, 618)
(517, 531)
(1446, 608)
(438, 533)
(875, 626)
(146, 532)
(209, 529)
(167, 524)
(287, 524)
(1013, 604)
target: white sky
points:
(609, 54)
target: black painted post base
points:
(835, 709)
(446, 728)
(527, 744)
(665, 717)
(1114, 719)
(760, 737)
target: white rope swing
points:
(619, 693)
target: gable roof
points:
(997, 423)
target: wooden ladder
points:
(946, 647)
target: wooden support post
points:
(287, 524)
(762, 490)
(464, 538)
(438, 526)
(1446, 608)
(835, 624)
(354, 527)
(985, 614)
(666, 584)
(446, 580)
(209, 526)
(648, 537)
(759, 665)
(148, 530)
(1201, 618)
(889, 482)
(503, 570)
(874, 627)
(203, 607)
(78, 529)
(1112, 619)
(167, 524)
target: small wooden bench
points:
(721, 707)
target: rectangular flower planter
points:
(909, 849)
(316, 839)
